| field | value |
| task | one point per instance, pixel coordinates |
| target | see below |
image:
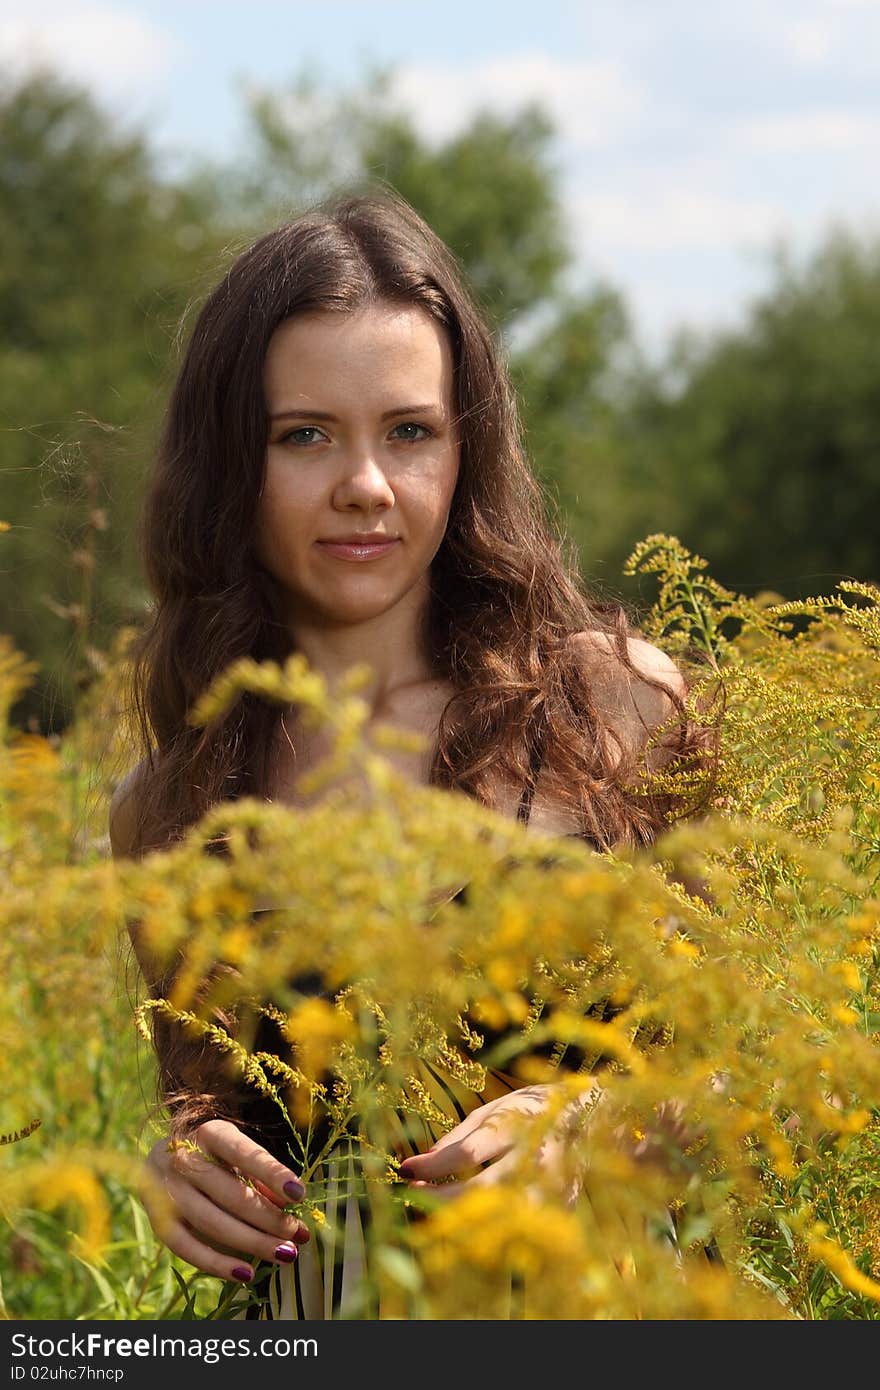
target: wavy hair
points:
(505, 593)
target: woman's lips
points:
(360, 550)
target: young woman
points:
(341, 474)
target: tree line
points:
(758, 447)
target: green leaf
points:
(401, 1267)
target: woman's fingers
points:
(229, 1193)
(459, 1156)
(481, 1115)
(487, 1133)
(222, 1228)
(270, 1195)
(447, 1191)
(221, 1188)
(490, 1136)
(183, 1242)
(465, 1148)
(549, 1178)
(226, 1141)
(528, 1100)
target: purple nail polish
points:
(285, 1253)
(294, 1188)
(243, 1272)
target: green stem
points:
(701, 623)
(148, 1277)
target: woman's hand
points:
(202, 1207)
(490, 1135)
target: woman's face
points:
(362, 443)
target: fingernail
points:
(404, 1170)
(243, 1272)
(285, 1253)
(293, 1188)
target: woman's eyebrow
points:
(334, 419)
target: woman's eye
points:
(409, 432)
(305, 434)
(412, 431)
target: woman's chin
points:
(350, 604)
(355, 612)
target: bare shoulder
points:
(123, 814)
(650, 662)
(633, 704)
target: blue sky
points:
(690, 140)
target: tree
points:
(572, 381)
(100, 256)
(489, 191)
(769, 437)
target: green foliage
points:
(488, 192)
(100, 256)
(507, 229)
(571, 380)
(767, 436)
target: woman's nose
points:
(363, 480)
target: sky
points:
(690, 140)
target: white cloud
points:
(590, 102)
(114, 51)
(666, 218)
(810, 42)
(835, 37)
(807, 131)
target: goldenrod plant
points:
(697, 1021)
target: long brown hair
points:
(505, 592)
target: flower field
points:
(726, 1165)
